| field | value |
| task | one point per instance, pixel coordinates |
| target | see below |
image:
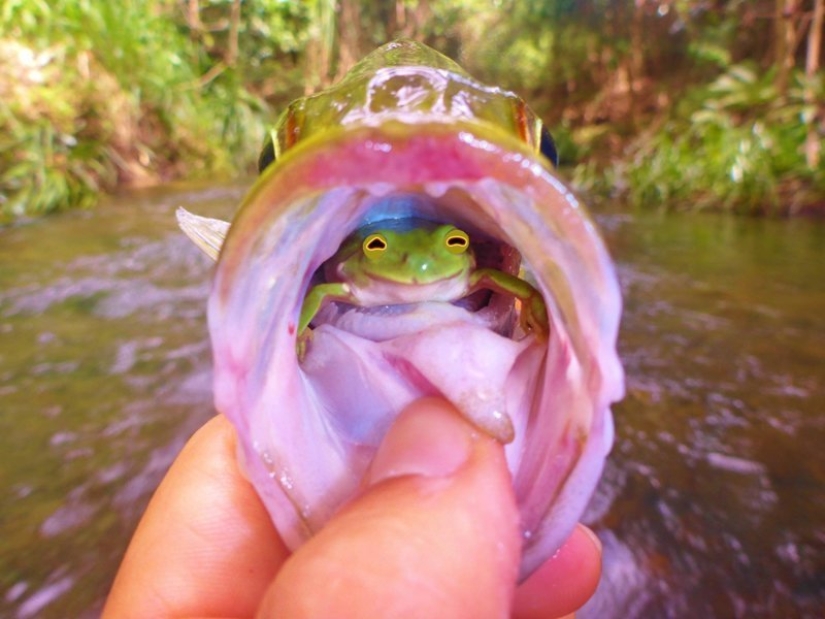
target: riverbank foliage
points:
(683, 104)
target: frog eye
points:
(457, 241)
(374, 245)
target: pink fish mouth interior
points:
(464, 351)
(308, 430)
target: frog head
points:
(419, 255)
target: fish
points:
(407, 134)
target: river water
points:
(713, 501)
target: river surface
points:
(713, 500)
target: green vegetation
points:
(679, 104)
(734, 144)
(96, 95)
(673, 104)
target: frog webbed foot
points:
(533, 311)
(302, 343)
(533, 317)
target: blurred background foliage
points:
(678, 104)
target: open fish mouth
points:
(309, 426)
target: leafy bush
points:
(734, 145)
(94, 93)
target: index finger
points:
(206, 545)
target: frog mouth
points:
(309, 428)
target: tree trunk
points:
(397, 19)
(812, 142)
(637, 39)
(349, 35)
(637, 56)
(193, 19)
(234, 27)
(785, 42)
(319, 54)
(420, 15)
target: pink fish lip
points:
(307, 431)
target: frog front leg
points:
(533, 317)
(315, 299)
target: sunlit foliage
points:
(734, 144)
(95, 94)
(671, 103)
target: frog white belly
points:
(386, 292)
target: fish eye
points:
(547, 147)
(374, 245)
(457, 241)
(267, 155)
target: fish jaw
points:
(308, 430)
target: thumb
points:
(434, 534)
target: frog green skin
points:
(423, 263)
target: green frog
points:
(422, 261)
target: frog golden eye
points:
(457, 241)
(374, 245)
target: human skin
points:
(433, 533)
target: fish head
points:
(310, 423)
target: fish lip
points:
(300, 197)
(359, 156)
(355, 157)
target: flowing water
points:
(713, 501)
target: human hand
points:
(434, 533)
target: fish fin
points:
(206, 233)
